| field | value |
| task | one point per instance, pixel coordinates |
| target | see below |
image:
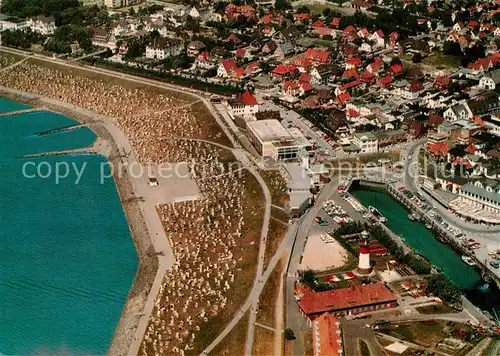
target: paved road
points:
(294, 320)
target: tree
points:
(327, 12)
(289, 334)
(303, 10)
(282, 5)
(395, 60)
(131, 12)
(308, 278)
(417, 58)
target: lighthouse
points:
(364, 266)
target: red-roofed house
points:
(442, 82)
(240, 53)
(335, 22)
(318, 23)
(350, 74)
(434, 121)
(471, 149)
(246, 106)
(324, 31)
(350, 33)
(253, 68)
(290, 88)
(363, 33)
(284, 71)
(343, 98)
(378, 38)
(393, 38)
(229, 69)
(375, 66)
(233, 38)
(384, 82)
(346, 301)
(353, 63)
(303, 17)
(473, 24)
(317, 56)
(368, 77)
(305, 78)
(233, 11)
(395, 70)
(327, 336)
(438, 149)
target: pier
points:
(20, 112)
(62, 129)
(85, 151)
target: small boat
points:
(377, 214)
(428, 226)
(440, 238)
(411, 217)
(468, 260)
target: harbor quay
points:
(451, 239)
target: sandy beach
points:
(213, 241)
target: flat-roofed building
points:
(366, 141)
(271, 139)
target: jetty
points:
(79, 151)
(62, 129)
(20, 112)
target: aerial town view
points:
(250, 177)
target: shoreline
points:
(148, 268)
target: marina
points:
(425, 242)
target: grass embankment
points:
(7, 59)
(234, 342)
(263, 344)
(364, 350)
(275, 235)
(277, 187)
(265, 340)
(247, 254)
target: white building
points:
(366, 141)
(459, 111)
(42, 24)
(490, 80)
(479, 200)
(246, 106)
(8, 24)
(271, 139)
(161, 48)
(114, 4)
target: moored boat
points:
(468, 260)
(428, 226)
(378, 215)
(411, 217)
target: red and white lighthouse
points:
(364, 266)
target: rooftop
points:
(270, 130)
(347, 298)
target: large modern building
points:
(346, 301)
(271, 139)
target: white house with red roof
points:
(378, 38)
(246, 106)
(229, 69)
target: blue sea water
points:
(67, 259)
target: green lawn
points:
(440, 59)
